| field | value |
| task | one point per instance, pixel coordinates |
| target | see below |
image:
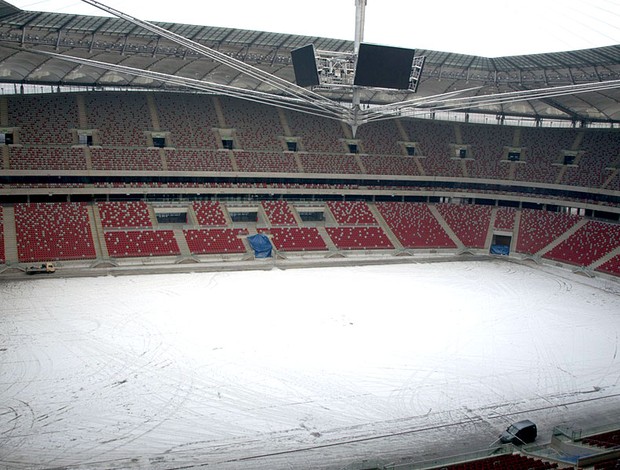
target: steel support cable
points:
(279, 83)
(227, 90)
(455, 104)
(493, 100)
(393, 110)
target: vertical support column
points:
(11, 254)
(284, 123)
(4, 111)
(96, 228)
(219, 111)
(6, 160)
(515, 232)
(179, 236)
(82, 115)
(153, 112)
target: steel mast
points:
(360, 18)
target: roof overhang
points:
(32, 45)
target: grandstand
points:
(124, 184)
(104, 174)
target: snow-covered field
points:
(307, 369)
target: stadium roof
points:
(25, 35)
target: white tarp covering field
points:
(324, 368)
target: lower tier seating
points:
(296, 238)
(414, 225)
(351, 213)
(359, 238)
(588, 244)
(539, 228)
(505, 219)
(124, 214)
(279, 213)
(611, 267)
(502, 462)
(215, 241)
(209, 213)
(611, 464)
(469, 222)
(62, 231)
(54, 231)
(607, 440)
(139, 243)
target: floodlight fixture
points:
(416, 72)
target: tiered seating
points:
(49, 158)
(198, 160)
(141, 243)
(487, 145)
(389, 165)
(359, 238)
(2, 258)
(614, 183)
(608, 440)
(266, 162)
(258, 126)
(57, 231)
(487, 168)
(279, 213)
(189, 118)
(351, 213)
(611, 464)
(535, 170)
(296, 238)
(414, 225)
(360, 231)
(215, 241)
(380, 138)
(442, 166)
(121, 118)
(470, 223)
(44, 119)
(320, 135)
(586, 245)
(505, 219)
(435, 139)
(125, 214)
(126, 159)
(209, 213)
(590, 173)
(329, 164)
(611, 267)
(539, 228)
(544, 148)
(502, 462)
(600, 152)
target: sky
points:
(489, 28)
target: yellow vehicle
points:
(45, 268)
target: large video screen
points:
(383, 66)
(304, 66)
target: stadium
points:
(259, 258)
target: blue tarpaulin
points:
(261, 245)
(500, 250)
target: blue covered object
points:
(500, 250)
(261, 245)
